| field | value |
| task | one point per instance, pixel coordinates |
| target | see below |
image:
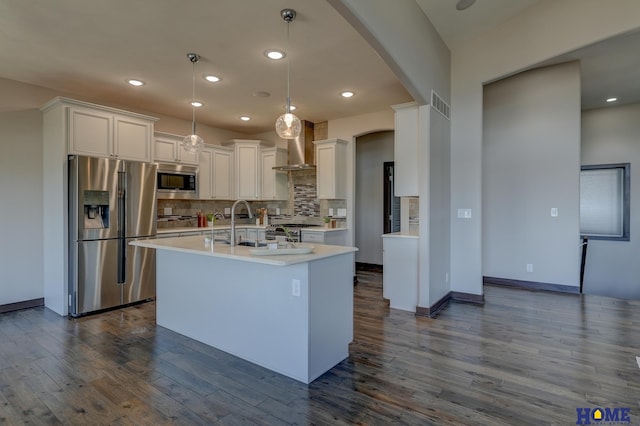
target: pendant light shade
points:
(193, 143)
(288, 126)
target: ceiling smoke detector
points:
(464, 4)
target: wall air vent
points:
(439, 105)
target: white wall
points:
(437, 204)
(372, 151)
(531, 151)
(349, 129)
(405, 39)
(612, 135)
(545, 30)
(21, 260)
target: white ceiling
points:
(89, 49)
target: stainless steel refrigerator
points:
(111, 202)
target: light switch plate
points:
(330, 212)
(554, 212)
(227, 210)
(168, 211)
(342, 212)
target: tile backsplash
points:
(304, 200)
(302, 205)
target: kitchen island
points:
(292, 314)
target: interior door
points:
(391, 202)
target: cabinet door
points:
(132, 139)
(205, 165)
(186, 157)
(164, 150)
(90, 132)
(312, 237)
(241, 235)
(222, 174)
(274, 183)
(405, 150)
(252, 234)
(247, 171)
(331, 169)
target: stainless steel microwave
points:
(177, 181)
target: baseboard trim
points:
(531, 285)
(433, 310)
(10, 307)
(460, 297)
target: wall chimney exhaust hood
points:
(301, 151)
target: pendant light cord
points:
(288, 71)
(193, 98)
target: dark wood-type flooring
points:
(522, 358)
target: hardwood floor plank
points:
(522, 358)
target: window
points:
(604, 201)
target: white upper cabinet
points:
(275, 184)
(215, 173)
(405, 149)
(246, 168)
(90, 132)
(100, 131)
(331, 169)
(168, 149)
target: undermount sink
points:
(252, 244)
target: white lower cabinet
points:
(400, 272)
(241, 235)
(255, 234)
(336, 238)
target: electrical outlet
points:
(295, 287)
(529, 267)
(331, 212)
(464, 213)
(554, 212)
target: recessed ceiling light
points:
(136, 82)
(261, 94)
(197, 104)
(274, 54)
(347, 94)
(612, 99)
(212, 78)
(245, 118)
(292, 107)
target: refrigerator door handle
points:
(122, 214)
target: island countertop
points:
(196, 245)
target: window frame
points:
(626, 201)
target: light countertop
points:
(242, 226)
(196, 245)
(400, 235)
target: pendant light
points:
(193, 143)
(288, 126)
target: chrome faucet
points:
(233, 219)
